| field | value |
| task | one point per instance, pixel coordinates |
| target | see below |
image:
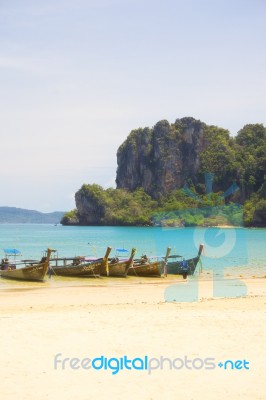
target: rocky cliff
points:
(163, 158)
(90, 205)
(154, 163)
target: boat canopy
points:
(12, 252)
(122, 250)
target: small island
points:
(182, 174)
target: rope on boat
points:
(134, 269)
(95, 275)
(50, 268)
(200, 268)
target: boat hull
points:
(119, 269)
(154, 269)
(88, 269)
(34, 272)
(175, 267)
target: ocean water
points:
(232, 251)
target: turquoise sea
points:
(231, 251)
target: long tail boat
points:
(77, 266)
(114, 267)
(32, 271)
(145, 267)
(184, 267)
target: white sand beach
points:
(130, 319)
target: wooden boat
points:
(32, 271)
(114, 267)
(145, 267)
(184, 267)
(77, 266)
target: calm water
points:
(237, 251)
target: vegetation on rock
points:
(161, 179)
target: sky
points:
(77, 76)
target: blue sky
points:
(77, 76)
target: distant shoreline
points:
(14, 215)
(134, 226)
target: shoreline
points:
(151, 290)
(166, 226)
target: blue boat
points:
(182, 267)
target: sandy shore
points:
(131, 319)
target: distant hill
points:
(19, 215)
